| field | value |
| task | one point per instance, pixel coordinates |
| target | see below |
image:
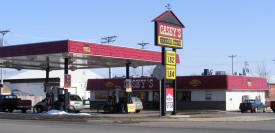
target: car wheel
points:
(38, 109)
(105, 109)
(264, 110)
(256, 110)
(10, 110)
(123, 109)
(137, 111)
(23, 110)
(242, 111)
(273, 110)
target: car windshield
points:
(249, 101)
(75, 98)
(135, 99)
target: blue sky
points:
(214, 29)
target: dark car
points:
(252, 105)
(12, 102)
(272, 105)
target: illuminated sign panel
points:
(170, 72)
(170, 36)
(170, 57)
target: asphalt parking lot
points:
(146, 116)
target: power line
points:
(232, 56)
(142, 44)
(108, 40)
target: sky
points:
(214, 29)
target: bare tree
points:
(263, 71)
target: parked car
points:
(121, 107)
(138, 103)
(12, 102)
(272, 106)
(75, 104)
(252, 105)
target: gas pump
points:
(56, 98)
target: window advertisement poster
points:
(128, 85)
(169, 99)
(67, 81)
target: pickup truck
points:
(252, 105)
(12, 102)
(272, 105)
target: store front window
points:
(183, 96)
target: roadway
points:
(115, 126)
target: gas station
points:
(71, 55)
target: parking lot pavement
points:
(147, 116)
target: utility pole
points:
(232, 56)
(142, 44)
(108, 40)
(3, 32)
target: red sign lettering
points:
(169, 31)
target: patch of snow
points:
(84, 114)
(56, 112)
(59, 112)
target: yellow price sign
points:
(131, 108)
(170, 57)
(170, 72)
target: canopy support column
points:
(66, 95)
(66, 66)
(47, 75)
(128, 94)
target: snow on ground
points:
(56, 112)
(59, 112)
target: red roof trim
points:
(164, 14)
(34, 49)
(65, 46)
(116, 51)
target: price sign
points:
(170, 72)
(170, 57)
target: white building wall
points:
(207, 95)
(234, 98)
(79, 80)
(36, 89)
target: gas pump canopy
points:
(81, 55)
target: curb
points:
(131, 119)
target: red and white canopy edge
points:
(81, 55)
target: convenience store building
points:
(217, 92)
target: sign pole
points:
(175, 92)
(163, 82)
(160, 98)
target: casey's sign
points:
(170, 31)
(170, 36)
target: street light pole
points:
(3, 32)
(108, 40)
(142, 44)
(232, 56)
